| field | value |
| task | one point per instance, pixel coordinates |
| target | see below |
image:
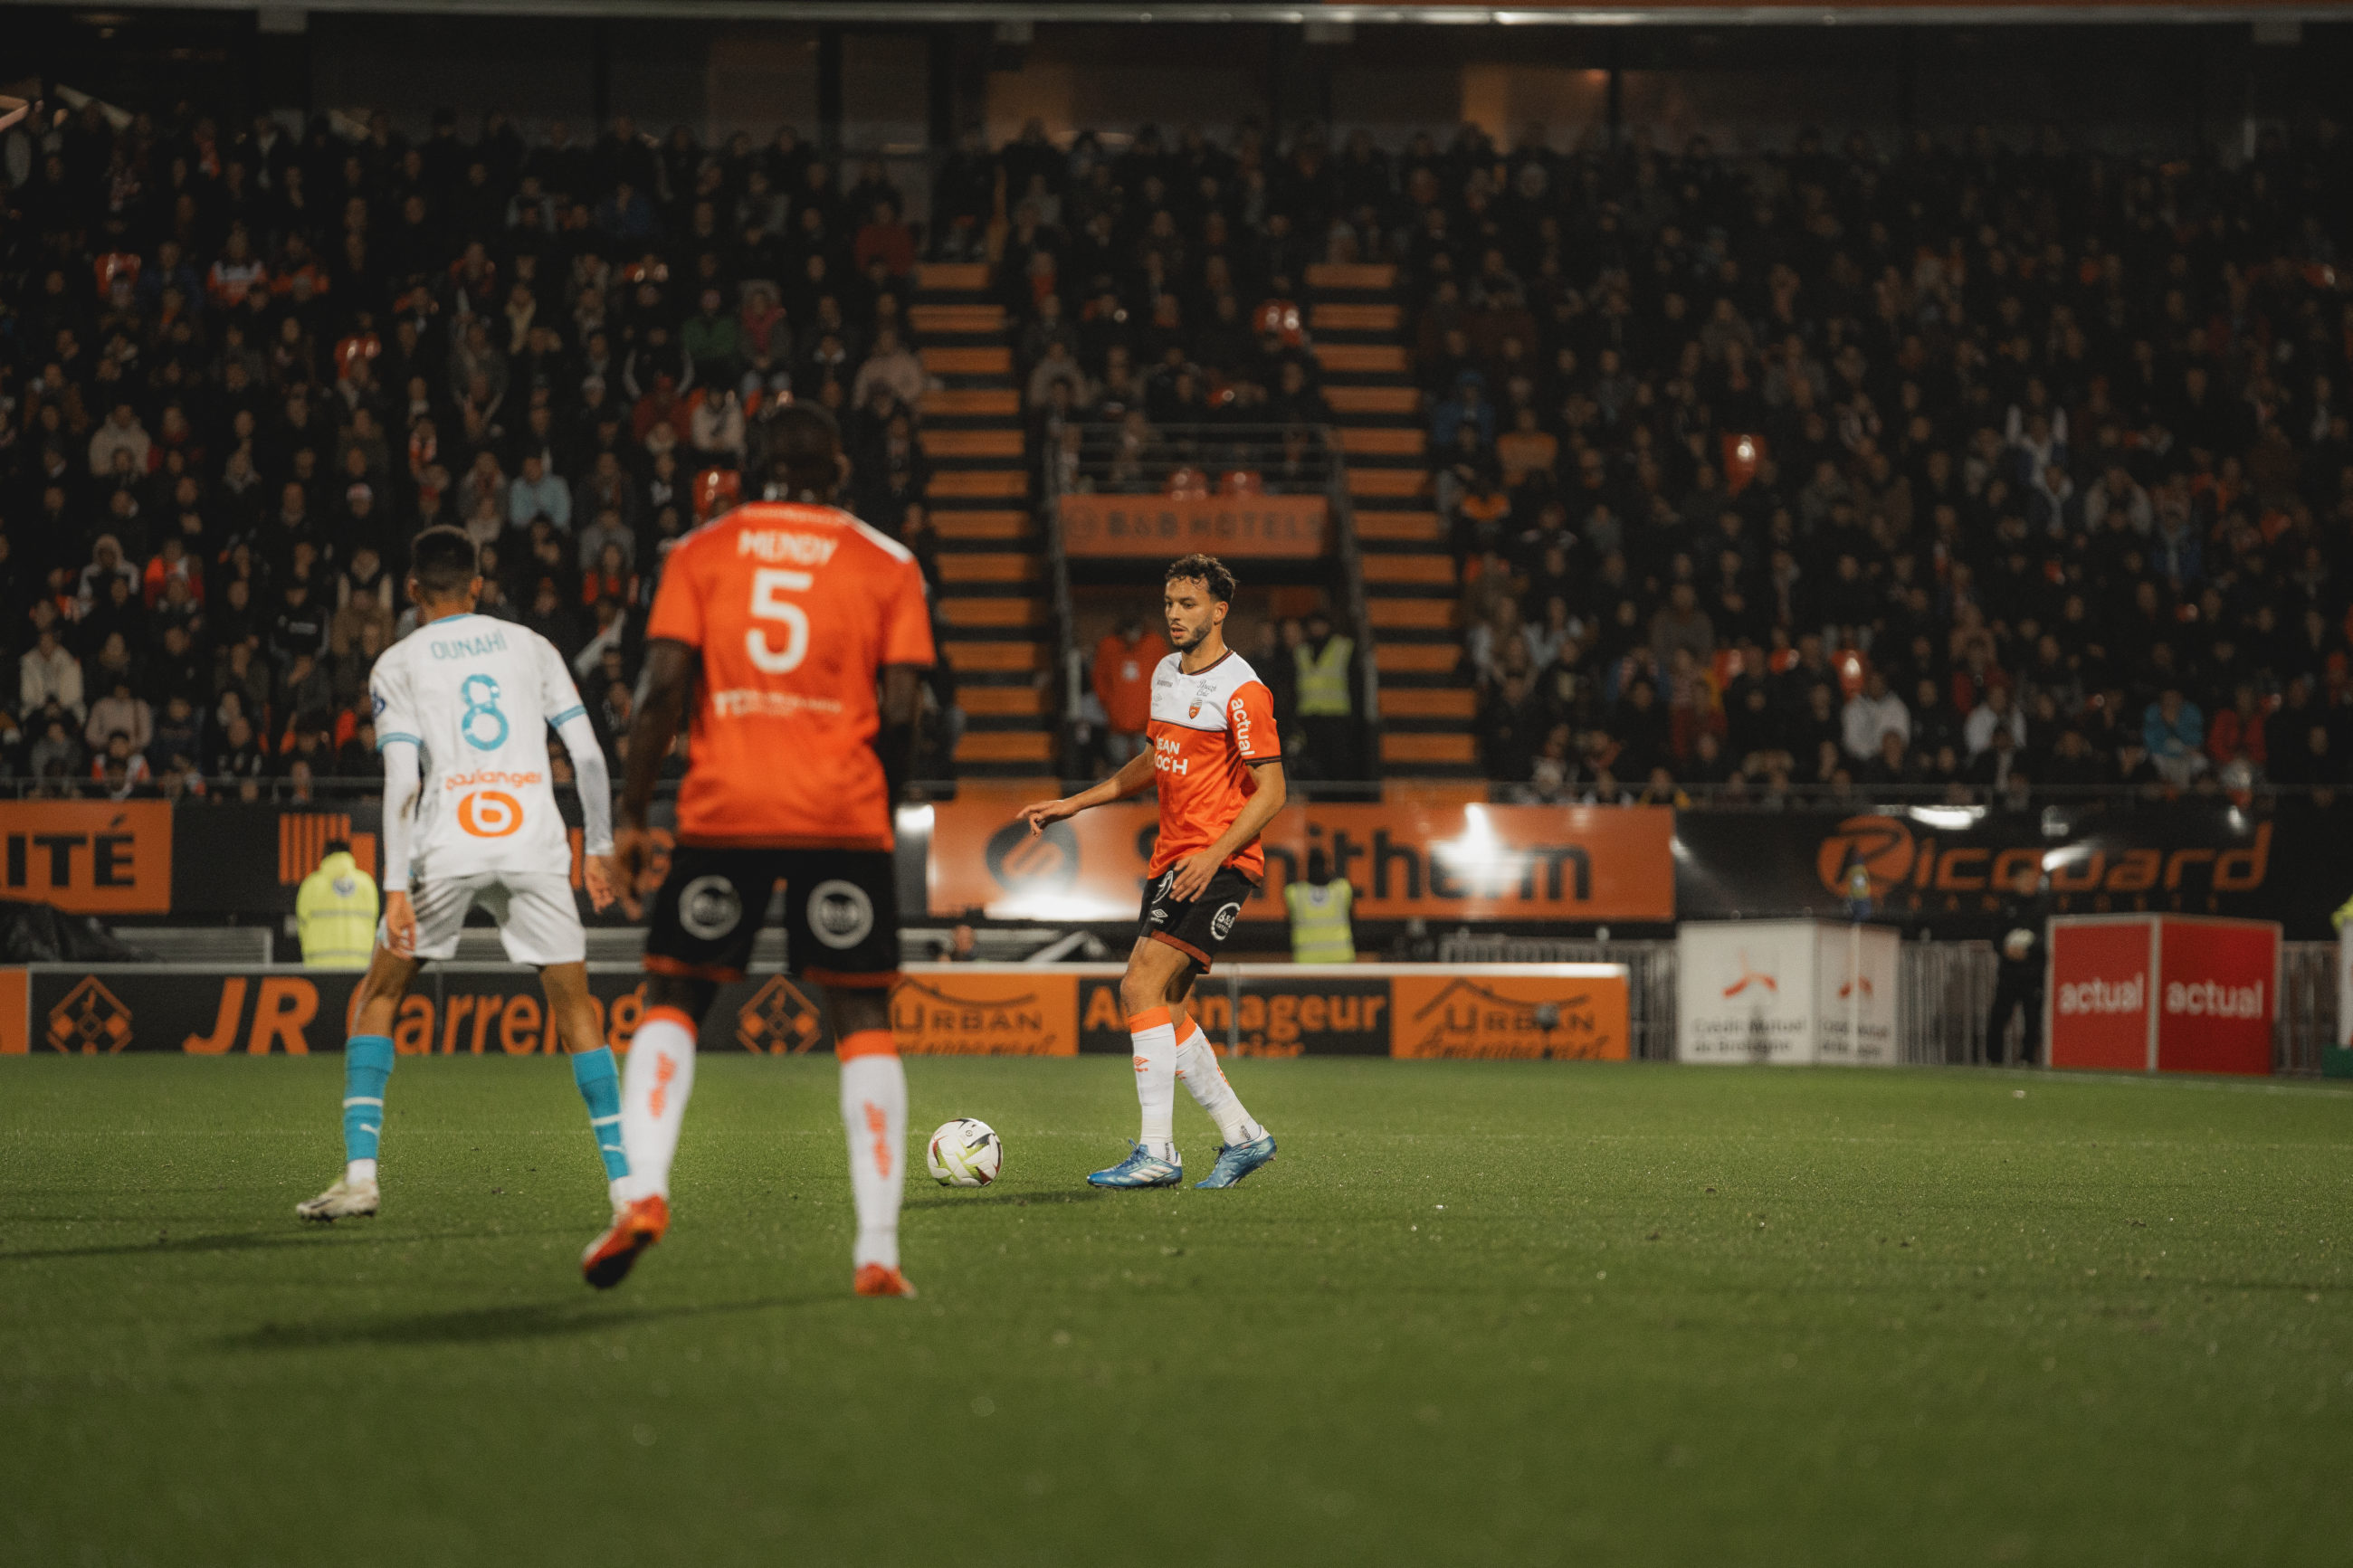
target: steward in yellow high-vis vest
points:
(335, 912)
(1319, 932)
(1322, 671)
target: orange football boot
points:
(637, 1226)
(874, 1280)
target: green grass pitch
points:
(1476, 1313)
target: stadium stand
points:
(1959, 472)
(1956, 471)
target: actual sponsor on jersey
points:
(1237, 713)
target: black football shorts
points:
(1197, 928)
(841, 913)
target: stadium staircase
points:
(994, 613)
(1358, 328)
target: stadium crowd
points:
(240, 368)
(1966, 469)
(1962, 471)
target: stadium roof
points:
(1774, 12)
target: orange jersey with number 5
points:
(1206, 729)
(794, 610)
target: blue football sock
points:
(367, 1067)
(600, 1086)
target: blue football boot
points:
(1141, 1170)
(1236, 1161)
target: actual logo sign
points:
(2102, 996)
(1223, 921)
(841, 915)
(709, 908)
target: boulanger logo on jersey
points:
(841, 915)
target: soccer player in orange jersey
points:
(1218, 764)
(779, 616)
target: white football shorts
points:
(539, 923)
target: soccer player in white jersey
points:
(463, 705)
(1217, 765)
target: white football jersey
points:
(477, 696)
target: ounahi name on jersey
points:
(477, 697)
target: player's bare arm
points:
(400, 923)
(902, 696)
(660, 709)
(1134, 778)
(1194, 872)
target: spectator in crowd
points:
(1124, 660)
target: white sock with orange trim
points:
(655, 1086)
(1155, 1039)
(1199, 1070)
(874, 1119)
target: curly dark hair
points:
(1207, 569)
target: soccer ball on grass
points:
(964, 1154)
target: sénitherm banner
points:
(1438, 861)
(1535, 1011)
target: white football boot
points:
(345, 1200)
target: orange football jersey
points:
(793, 609)
(1206, 729)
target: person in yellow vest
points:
(1327, 709)
(1319, 932)
(336, 910)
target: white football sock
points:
(874, 1119)
(359, 1173)
(1155, 1080)
(655, 1087)
(1198, 1069)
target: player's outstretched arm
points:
(1134, 778)
(660, 707)
(1193, 872)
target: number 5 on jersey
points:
(769, 583)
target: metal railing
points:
(2307, 1006)
(1135, 456)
